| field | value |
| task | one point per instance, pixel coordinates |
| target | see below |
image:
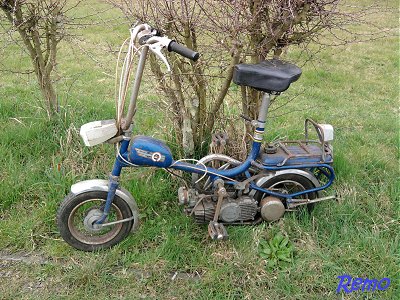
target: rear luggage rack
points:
(300, 151)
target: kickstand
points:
(217, 230)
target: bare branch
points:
(227, 32)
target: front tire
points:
(77, 211)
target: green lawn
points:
(354, 88)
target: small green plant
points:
(277, 251)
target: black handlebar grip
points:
(182, 50)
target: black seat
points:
(271, 76)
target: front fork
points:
(113, 182)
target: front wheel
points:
(77, 214)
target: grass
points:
(355, 88)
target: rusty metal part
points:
(219, 139)
(241, 209)
(183, 195)
(292, 203)
(115, 139)
(271, 209)
(94, 236)
(244, 185)
(318, 129)
(271, 149)
(221, 192)
(326, 150)
(204, 211)
(217, 231)
(90, 220)
(226, 210)
(223, 162)
(303, 145)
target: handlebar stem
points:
(155, 44)
(135, 87)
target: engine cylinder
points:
(232, 210)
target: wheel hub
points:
(90, 220)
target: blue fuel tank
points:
(147, 151)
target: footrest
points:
(217, 231)
(298, 202)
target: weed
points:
(277, 251)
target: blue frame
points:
(244, 167)
(122, 160)
(232, 173)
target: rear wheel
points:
(289, 184)
(77, 214)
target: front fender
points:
(102, 185)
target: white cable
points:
(126, 71)
(125, 78)
(123, 159)
(206, 169)
(116, 82)
(197, 162)
(180, 160)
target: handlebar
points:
(152, 37)
(147, 36)
(182, 50)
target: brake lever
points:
(157, 47)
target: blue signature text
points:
(350, 284)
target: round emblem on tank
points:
(156, 156)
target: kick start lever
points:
(217, 230)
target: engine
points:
(243, 208)
(232, 210)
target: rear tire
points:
(74, 210)
(289, 183)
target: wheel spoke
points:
(287, 187)
(99, 236)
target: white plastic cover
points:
(97, 132)
(328, 132)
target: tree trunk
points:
(49, 94)
(42, 51)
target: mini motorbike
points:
(275, 178)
